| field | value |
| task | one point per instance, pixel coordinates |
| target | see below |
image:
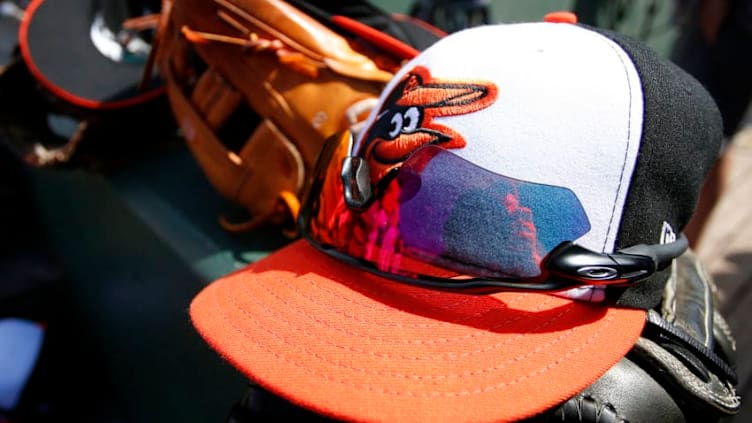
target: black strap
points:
(664, 333)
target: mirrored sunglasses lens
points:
(443, 216)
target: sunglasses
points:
(437, 220)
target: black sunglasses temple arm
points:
(622, 267)
(662, 254)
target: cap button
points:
(560, 17)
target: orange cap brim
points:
(350, 345)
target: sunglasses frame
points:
(567, 266)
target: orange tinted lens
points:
(328, 208)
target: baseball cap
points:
(79, 51)
(489, 244)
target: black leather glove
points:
(681, 368)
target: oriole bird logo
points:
(405, 122)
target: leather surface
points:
(677, 371)
(277, 65)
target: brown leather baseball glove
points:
(256, 86)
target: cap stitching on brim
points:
(509, 304)
(495, 346)
(261, 327)
(489, 388)
(424, 294)
(417, 293)
(517, 317)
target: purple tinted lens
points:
(459, 216)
